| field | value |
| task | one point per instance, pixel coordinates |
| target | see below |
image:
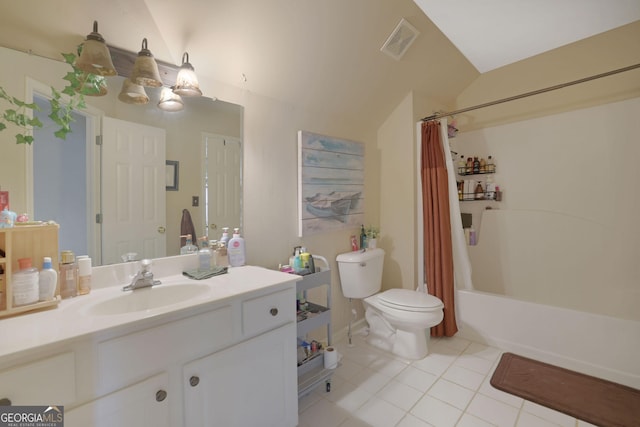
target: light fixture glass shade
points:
(187, 82)
(170, 101)
(145, 69)
(95, 57)
(132, 93)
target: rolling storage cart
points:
(311, 371)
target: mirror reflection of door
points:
(133, 188)
(222, 183)
(63, 176)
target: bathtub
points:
(602, 346)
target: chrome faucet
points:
(143, 279)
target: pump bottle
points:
(236, 249)
(189, 247)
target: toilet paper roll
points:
(330, 358)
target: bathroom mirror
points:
(204, 127)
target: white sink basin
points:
(148, 298)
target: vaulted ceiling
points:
(318, 55)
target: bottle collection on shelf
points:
(471, 189)
(226, 252)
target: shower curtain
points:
(444, 246)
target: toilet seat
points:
(408, 300)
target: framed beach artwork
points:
(330, 183)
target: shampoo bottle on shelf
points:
(236, 249)
(47, 281)
(189, 247)
(204, 255)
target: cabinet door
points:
(250, 384)
(145, 404)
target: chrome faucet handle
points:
(145, 265)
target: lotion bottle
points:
(236, 249)
(47, 281)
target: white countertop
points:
(72, 318)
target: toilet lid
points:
(406, 299)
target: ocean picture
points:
(330, 183)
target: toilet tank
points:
(360, 272)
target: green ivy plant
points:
(79, 84)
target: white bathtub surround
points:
(602, 346)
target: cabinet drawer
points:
(50, 381)
(268, 312)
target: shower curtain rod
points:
(527, 94)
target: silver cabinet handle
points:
(194, 381)
(161, 395)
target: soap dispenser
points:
(189, 247)
(236, 249)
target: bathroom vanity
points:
(183, 353)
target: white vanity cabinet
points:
(229, 361)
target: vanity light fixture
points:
(95, 57)
(187, 82)
(145, 69)
(132, 93)
(170, 101)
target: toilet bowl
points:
(399, 319)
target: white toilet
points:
(399, 319)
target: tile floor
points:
(449, 387)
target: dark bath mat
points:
(597, 401)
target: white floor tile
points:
(493, 411)
(379, 413)
(388, 366)
(348, 369)
(474, 363)
(308, 400)
(464, 377)
(399, 394)
(413, 421)
(468, 420)
(354, 422)
(488, 390)
(548, 414)
(480, 350)
(451, 393)
(370, 380)
(348, 396)
(322, 414)
(416, 378)
(456, 343)
(530, 420)
(436, 412)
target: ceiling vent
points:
(400, 39)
